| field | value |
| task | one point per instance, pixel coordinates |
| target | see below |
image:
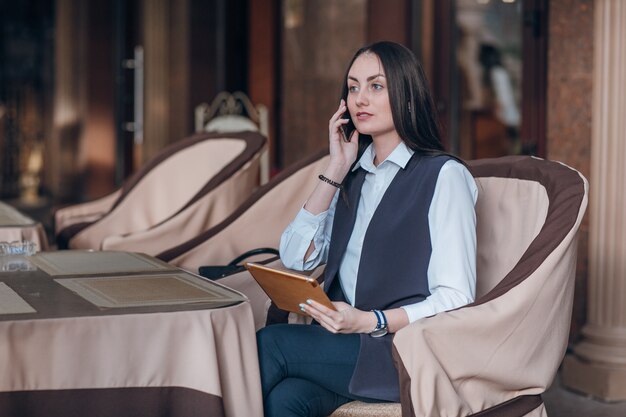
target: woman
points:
(393, 219)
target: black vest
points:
(394, 262)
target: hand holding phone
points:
(343, 143)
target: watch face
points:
(379, 332)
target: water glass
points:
(18, 247)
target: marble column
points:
(598, 363)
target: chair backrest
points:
(235, 113)
(504, 349)
(173, 180)
(204, 213)
(526, 208)
(506, 207)
(258, 222)
(231, 113)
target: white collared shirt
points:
(452, 222)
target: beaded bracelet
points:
(331, 182)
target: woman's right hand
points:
(342, 156)
(342, 153)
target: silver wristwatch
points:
(381, 328)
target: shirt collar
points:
(399, 156)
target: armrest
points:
(466, 360)
(205, 213)
(259, 301)
(84, 212)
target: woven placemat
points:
(150, 290)
(82, 263)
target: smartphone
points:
(348, 128)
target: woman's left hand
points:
(346, 319)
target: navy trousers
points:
(305, 369)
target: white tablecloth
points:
(70, 357)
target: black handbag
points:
(215, 272)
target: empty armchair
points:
(235, 113)
(188, 187)
(258, 222)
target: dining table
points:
(104, 334)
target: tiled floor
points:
(561, 402)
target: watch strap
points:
(381, 326)
(381, 319)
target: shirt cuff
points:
(306, 217)
(419, 310)
(295, 241)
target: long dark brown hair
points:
(412, 106)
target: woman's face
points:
(368, 97)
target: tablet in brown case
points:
(287, 289)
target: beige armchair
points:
(257, 223)
(187, 188)
(235, 113)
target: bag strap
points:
(216, 272)
(252, 252)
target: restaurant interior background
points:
(509, 77)
(68, 79)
